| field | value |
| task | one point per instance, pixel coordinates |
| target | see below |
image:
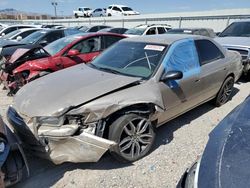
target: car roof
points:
(152, 25)
(18, 25)
(119, 5)
(29, 29)
(165, 39)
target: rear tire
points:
(134, 136)
(225, 92)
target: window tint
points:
(52, 36)
(109, 7)
(207, 51)
(109, 40)
(93, 29)
(151, 31)
(89, 45)
(161, 30)
(8, 30)
(22, 27)
(116, 9)
(25, 34)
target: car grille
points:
(243, 52)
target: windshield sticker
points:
(154, 47)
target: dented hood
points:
(18, 54)
(52, 94)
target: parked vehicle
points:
(152, 29)
(63, 53)
(82, 12)
(43, 38)
(11, 28)
(116, 101)
(193, 31)
(118, 30)
(19, 34)
(95, 28)
(224, 161)
(120, 10)
(237, 37)
(99, 12)
(20, 56)
(3, 26)
(13, 163)
(51, 26)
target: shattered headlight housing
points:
(56, 121)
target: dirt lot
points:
(178, 144)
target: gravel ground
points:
(179, 143)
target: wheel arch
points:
(142, 109)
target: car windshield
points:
(84, 28)
(32, 38)
(135, 31)
(87, 9)
(127, 9)
(58, 45)
(130, 58)
(237, 29)
(9, 35)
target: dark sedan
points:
(225, 161)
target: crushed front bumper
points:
(82, 147)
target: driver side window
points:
(88, 45)
(182, 56)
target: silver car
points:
(116, 102)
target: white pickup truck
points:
(82, 12)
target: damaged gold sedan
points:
(116, 102)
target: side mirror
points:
(172, 75)
(19, 38)
(43, 42)
(73, 53)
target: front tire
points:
(76, 16)
(225, 92)
(134, 136)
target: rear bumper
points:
(83, 147)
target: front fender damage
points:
(82, 148)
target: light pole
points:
(54, 4)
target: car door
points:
(180, 95)
(88, 49)
(213, 67)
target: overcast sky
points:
(66, 7)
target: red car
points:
(65, 52)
